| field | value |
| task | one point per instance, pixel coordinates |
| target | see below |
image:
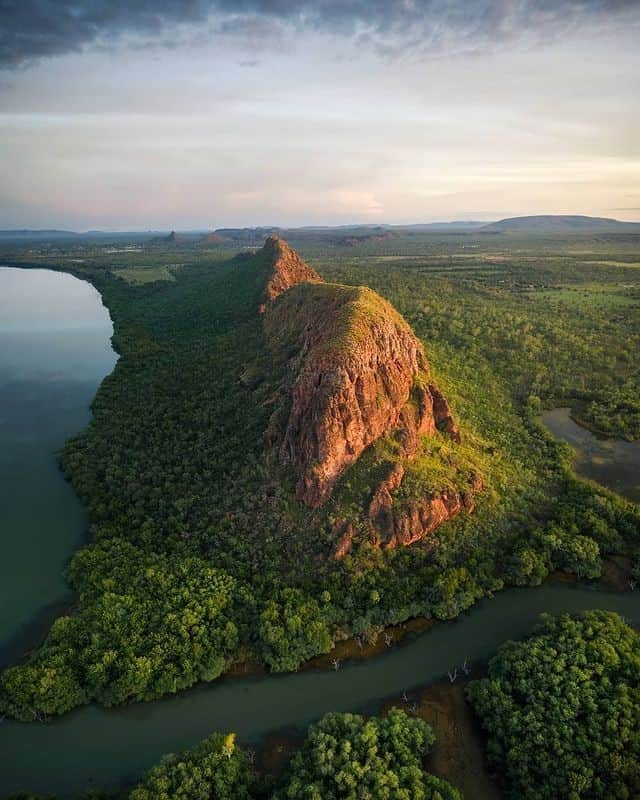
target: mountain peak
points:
(287, 269)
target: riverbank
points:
(458, 755)
(109, 748)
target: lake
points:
(54, 351)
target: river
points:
(52, 357)
(106, 748)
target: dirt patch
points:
(359, 648)
(276, 751)
(616, 572)
(458, 753)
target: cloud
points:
(356, 203)
(33, 29)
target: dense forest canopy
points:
(562, 710)
(199, 554)
(346, 756)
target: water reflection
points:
(612, 462)
(54, 351)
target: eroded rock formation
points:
(288, 269)
(414, 519)
(356, 372)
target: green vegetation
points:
(549, 318)
(157, 626)
(199, 554)
(562, 710)
(347, 312)
(346, 756)
(141, 275)
(217, 769)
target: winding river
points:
(53, 352)
(106, 748)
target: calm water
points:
(54, 351)
(612, 462)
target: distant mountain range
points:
(45, 234)
(542, 223)
(25, 233)
(562, 223)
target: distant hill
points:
(24, 233)
(561, 223)
(52, 234)
(455, 225)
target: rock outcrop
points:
(356, 372)
(287, 270)
(414, 519)
(360, 373)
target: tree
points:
(214, 770)
(562, 709)
(348, 757)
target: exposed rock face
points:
(415, 519)
(288, 269)
(360, 374)
(344, 533)
(357, 372)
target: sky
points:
(198, 114)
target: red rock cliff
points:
(356, 372)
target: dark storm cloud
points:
(31, 29)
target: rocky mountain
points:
(356, 375)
